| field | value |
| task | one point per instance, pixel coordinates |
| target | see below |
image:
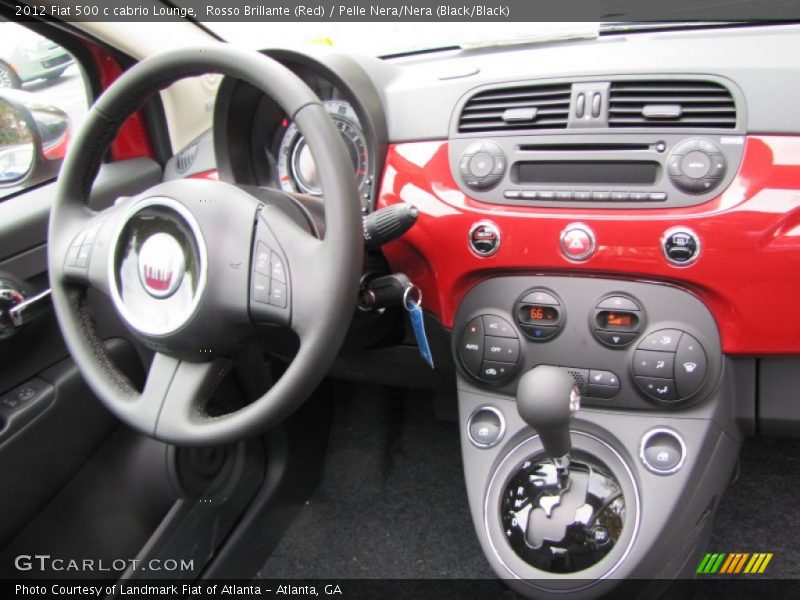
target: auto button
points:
(471, 346)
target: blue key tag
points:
(412, 301)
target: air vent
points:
(517, 108)
(664, 104)
(185, 159)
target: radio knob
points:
(696, 166)
(482, 165)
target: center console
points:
(598, 429)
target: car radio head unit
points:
(619, 170)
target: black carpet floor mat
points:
(759, 513)
(393, 502)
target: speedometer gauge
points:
(296, 168)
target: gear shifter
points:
(559, 517)
(547, 398)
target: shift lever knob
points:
(547, 397)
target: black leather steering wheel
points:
(195, 266)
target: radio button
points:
(566, 195)
(686, 147)
(696, 164)
(463, 166)
(639, 196)
(583, 196)
(717, 165)
(512, 194)
(546, 195)
(601, 196)
(617, 196)
(474, 148)
(530, 195)
(674, 165)
(707, 146)
(657, 196)
(499, 165)
(481, 165)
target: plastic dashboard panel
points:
(750, 235)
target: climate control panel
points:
(627, 344)
(489, 348)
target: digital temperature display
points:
(617, 320)
(536, 313)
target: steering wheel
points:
(195, 267)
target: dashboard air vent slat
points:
(185, 159)
(700, 104)
(485, 111)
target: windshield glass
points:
(387, 38)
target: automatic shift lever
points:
(547, 398)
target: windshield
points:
(388, 38)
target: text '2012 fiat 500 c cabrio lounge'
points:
(517, 313)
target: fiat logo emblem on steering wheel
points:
(161, 265)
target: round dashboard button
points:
(486, 427)
(577, 242)
(696, 164)
(481, 165)
(484, 238)
(681, 246)
(662, 451)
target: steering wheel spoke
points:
(175, 392)
(87, 255)
(285, 262)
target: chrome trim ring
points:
(137, 322)
(646, 438)
(588, 253)
(500, 436)
(532, 583)
(490, 225)
(680, 229)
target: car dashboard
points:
(625, 209)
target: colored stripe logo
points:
(734, 563)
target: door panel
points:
(47, 438)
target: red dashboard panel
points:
(748, 273)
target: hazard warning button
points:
(577, 242)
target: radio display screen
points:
(587, 172)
